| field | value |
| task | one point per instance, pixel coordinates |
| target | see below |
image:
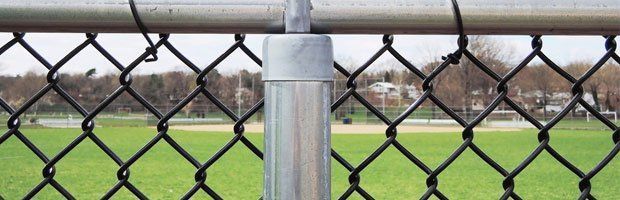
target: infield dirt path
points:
(348, 129)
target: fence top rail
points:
(559, 17)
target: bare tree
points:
(464, 81)
(540, 79)
(611, 83)
(593, 84)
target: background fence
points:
(123, 115)
(475, 17)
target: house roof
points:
(383, 84)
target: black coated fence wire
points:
(145, 31)
(201, 178)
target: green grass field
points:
(163, 174)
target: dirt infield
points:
(347, 129)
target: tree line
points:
(462, 86)
(537, 86)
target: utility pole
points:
(239, 96)
(384, 95)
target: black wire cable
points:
(144, 30)
(459, 20)
(462, 40)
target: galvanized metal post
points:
(297, 16)
(298, 75)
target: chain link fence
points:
(468, 126)
(88, 124)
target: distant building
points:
(586, 97)
(385, 89)
(556, 101)
(412, 92)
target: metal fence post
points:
(298, 75)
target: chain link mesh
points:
(468, 133)
(125, 86)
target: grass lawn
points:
(163, 174)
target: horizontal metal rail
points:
(566, 17)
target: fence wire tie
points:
(144, 30)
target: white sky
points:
(203, 49)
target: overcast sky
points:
(203, 49)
